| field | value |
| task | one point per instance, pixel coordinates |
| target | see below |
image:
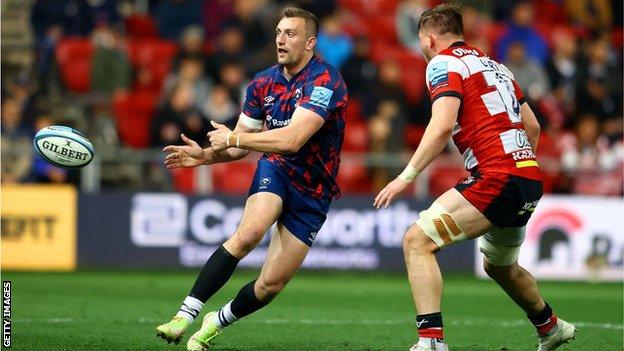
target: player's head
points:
(295, 35)
(438, 28)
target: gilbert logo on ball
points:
(63, 147)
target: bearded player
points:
(303, 100)
(476, 102)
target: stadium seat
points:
(353, 178)
(183, 180)
(356, 137)
(444, 177)
(141, 27)
(133, 113)
(233, 178)
(413, 135)
(74, 56)
(354, 111)
(384, 29)
(155, 55)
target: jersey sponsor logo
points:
(463, 52)
(437, 74)
(320, 96)
(514, 140)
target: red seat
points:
(233, 178)
(442, 178)
(141, 27)
(384, 29)
(413, 135)
(134, 112)
(155, 55)
(183, 180)
(353, 178)
(354, 111)
(74, 56)
(356, 137)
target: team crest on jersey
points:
(269, 101)
(437, 75)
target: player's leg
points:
(284, 257)
(500, 249)
(261, 211)
(437, 227)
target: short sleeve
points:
(444, 76)
(324, 93)
(252, 106)
(519, 95)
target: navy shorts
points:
(303, 215)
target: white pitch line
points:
(465, 322)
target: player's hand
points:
(219, 136)
(387, 194)
(184, 156)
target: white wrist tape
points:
(238, 140)
(227, 139)
(409, 174)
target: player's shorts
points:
(505, 200)
(303, 215)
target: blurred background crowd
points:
(134, 74)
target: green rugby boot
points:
(174, 330)
(200, 341)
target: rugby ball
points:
(63, 147)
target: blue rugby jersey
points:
(318, 87)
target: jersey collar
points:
(457, 43)
(280, 73)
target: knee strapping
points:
(438, 225)
(498, 255)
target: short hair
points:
(310, 19)
(445, 18)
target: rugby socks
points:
(190, 309)
(245, 303)
(216, 272)
(545, 321)
(430, 329)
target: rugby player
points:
(303, 101)
(476, 101)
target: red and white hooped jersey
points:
(489, 131)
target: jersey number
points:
(503, 99)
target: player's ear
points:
(311, 43)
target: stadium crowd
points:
(141, 75)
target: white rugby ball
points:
(63, 147)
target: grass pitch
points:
(118, 310)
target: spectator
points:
(388, 122)
(111, 68)
(334, 46)
(521, 29)
(590, 161)
(191, 46)
(387, 88)
(16, 143)
(174, 16)
(229, 48)
(71, 17)
(216, 13)
(600, 89)
(232, 76)
(593, 15)
(360, 73)
(176, 116)
(245, 17)
(191, 72)
(529, 75)
(407, 16)
(562, 69)
(220, 108)
(105, 12)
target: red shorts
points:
(505, 200)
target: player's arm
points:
(531, 125)
(192, 155)
(244, 125)
(443, 117)
(286, 140)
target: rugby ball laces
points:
(63, 147)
